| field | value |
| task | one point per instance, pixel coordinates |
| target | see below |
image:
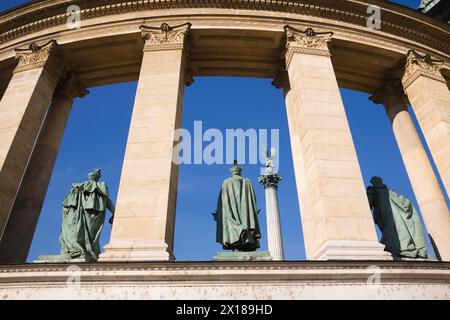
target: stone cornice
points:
(165, 37)
(404, 23)
(316, 271)
(306, 42)
(418, 65)
(37, 56)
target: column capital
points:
(281, 78)
(165, 37)
(306, 42)
(392, 97)
(36, 56)
(417, 65)
(391, 93)
(270, 181)
(70, 88)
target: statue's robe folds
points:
(84, 210)
(237, 216)
(399, 222)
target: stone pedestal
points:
(243, 256)
(144, 221)
(331, 191)
(429, 96)
(57, 259)
(274, 235)
(22, 111)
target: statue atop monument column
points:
(237, 214)
(398, 220)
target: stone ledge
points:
(228, 280)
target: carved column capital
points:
(306, 42)
(165, 37)
(391, 93)
(281, 78)
(70, 88)
(270, 181)
(417, 65)
(392, 97)
(37, 56)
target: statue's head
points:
(95, 175)
(236, 169)
(376, 181)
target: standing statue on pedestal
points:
(84, 209)
(237, 214)
(398, 220)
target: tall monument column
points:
(31, 195)
(274, 235)
(144, 222)
(22, 111)
(426, 188)
(336, 218)
(430, 99)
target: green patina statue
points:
(237, 214)
(398, 220)
(84, 209)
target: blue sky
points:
(96, 136)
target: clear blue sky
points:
(97, 132)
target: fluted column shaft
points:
(336, 219)
(430, 99)
(31, 195)
(22, 111)
(425, 185)
(144, 221)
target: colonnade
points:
(336, 218)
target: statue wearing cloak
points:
(398, 220)
(84, 209)
(237, 215)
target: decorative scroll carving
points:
(37, 56)
(306, 42)
(165, 37)
(417, 65)
(70, 88)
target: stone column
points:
(430, 99)
(274, 236)
(336, 218)
(22, 111)
(426, 187)
(143, 226)
(31, 195)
